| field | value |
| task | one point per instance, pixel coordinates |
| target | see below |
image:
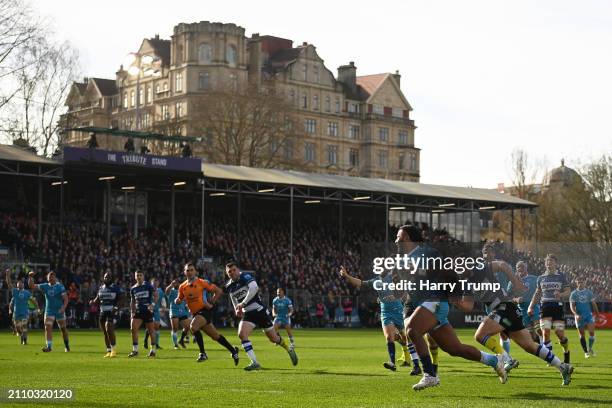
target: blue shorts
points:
(530, 320)
(55, 314)
(282, 320)
(584, 320)
(156, 316)
(440, 309)
(392, 317)
(180, 316)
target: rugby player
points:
(156, 314)
(244, 293)
(179, 315)
(192, 292)
(582, 304)
(430, 315)
(18, 307)
(551, 288)
(504, 316)
(56, 300)
(143, 297)
(391, 308)
(531, 322)
(282, 310)
(108, 298)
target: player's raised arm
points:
(169, 288)
(517, 285)
(31, 284)
(356, 282)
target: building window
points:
(402, 137)
(413, 162)
(309, 152)
(203, 81)
(304, 101)
(305, 72)
(165, 112)
(165, 86)
(354, 157)
(233, 81)
(146, 120)
(231, 55)
(378, 109)
(327, 104)
(132, 99)
(288, 149)
(157, 89)
(125, 100)
(353, 107)
(383, 134)
(292, 97)
(178, 82)
(400, 164)
(317, 77)
(353, 132)
(310, 126)
(337, 105)
(149, 95)
(332, 129)
(141, 100)
(178, 109)
(315, 102)
(205, 53)
(332, 154)
(398, 112)
(383, 159)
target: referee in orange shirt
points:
(193, 291)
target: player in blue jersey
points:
(18, 307)
(391, 308)
(582, 304)
(504, 315)
(56, 301)
(248, 306)
(108, 297)
(531, 322)
(282, 310)
(179, 315)
(431, 313)
(143, 297)
(552, 289)
(161, 296)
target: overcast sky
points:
(483, 77)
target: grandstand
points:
(92, 210)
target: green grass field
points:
(338, 368)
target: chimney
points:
(347, 74)
(397, 77)
(157, 36)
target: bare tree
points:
(249, 126)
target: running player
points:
(244, 293)
(282, 310)
(390, 313)
(192, 291)
(19, 307)
(156, 314)
(552, 288)
(531, 322)
(108, 298)
(504, 315)
(583, 304)
(179, 315)
(56, 301)
(431, 315)
(143, 297)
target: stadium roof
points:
(316, 180)
(18, 154)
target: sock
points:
(223, 341)
(591, 342)
(583, 343)
(281, 342)
(488, 359)
(506, 345)
(146, 341)
(405, 352)
(135, 347)
(291, 339)
(434, 354)
(67, 343)
(391, 351)
(415, 357)
(548, 356)
(49, 344)
(427, 365)
(198, 336)
(565, 344)
(108, 349)
(492, 344)
(548, 345)
(157, 338)
(174, 336)
(112, 347)
(248, 348)
(183, 335)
